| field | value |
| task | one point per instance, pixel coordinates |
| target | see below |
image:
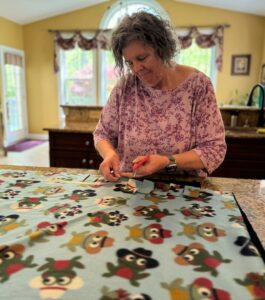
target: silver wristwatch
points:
(172, 166)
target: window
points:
(87, 77)
(77, 77)
(202, 59)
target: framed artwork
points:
(262, 77)
(241, 64)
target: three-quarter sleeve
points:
(210, 142)
(108, 124)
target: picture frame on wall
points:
(240, 64)
(262, 76)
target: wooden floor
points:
(37, 156)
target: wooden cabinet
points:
(73, 150)
(245, 158)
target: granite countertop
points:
(243, 133)
(247, 192)
(76, 127)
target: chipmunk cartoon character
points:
(200, 289)
(58, 277)
(112, 218)
(12, 260)
(49, 190)
(132, 264)
(207, 231)
(195, 255)
(121, 294)
(154, 233)
(108, 201)
(255, 284)
(28, 203)
(9, 194)
(45, 229)
(21, 183)
(195, 211)
(61, 211)
(10, 222)
(151, 212)
(92, 243)
(79, 195)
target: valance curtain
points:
(83, 40)
(101, 40)
(216, 38)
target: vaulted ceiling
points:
(27, 11)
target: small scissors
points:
(139, 163)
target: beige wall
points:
(245, 36)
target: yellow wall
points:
(245, 36)
(11, 35)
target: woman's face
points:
(144, 63)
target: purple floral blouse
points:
(140, 120)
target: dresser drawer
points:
(74, 159)
(68, 140)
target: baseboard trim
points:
(40, 136)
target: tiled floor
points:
(37, 156)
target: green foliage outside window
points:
(196, 57)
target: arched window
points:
(108, 75)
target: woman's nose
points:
(137, 66)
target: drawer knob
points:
(87, 143)
(84, 161)
(91, 161)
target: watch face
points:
(171, 168)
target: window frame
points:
(61, 77)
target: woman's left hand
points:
(152, 165)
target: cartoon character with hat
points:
(131, 264)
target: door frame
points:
(11, 140)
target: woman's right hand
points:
(109, 168)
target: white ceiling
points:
(256, 7)
(27, 11)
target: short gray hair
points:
(148, 28)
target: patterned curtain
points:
(206, 41)
(101, 40)
(83, 40)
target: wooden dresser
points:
(72, 146)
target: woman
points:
(161, 111)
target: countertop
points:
(243, 133)
(247, 192)
(76, 127)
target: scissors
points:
(139, 163)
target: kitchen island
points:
(68, 233)
(72, 146)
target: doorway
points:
(14, 102)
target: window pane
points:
(77, 77)
(13, 75)
(199, 58)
